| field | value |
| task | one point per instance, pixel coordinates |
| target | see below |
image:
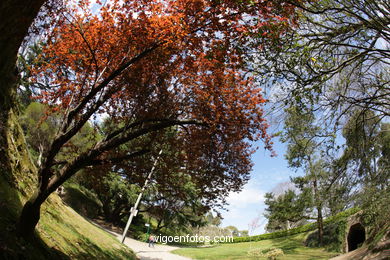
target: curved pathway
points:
(144, 252)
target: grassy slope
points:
(61, 232)
(292, 247)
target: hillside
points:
(61, 232)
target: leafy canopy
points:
(152, 65)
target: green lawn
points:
(292, 247)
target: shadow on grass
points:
(11, 246)
(289, 244)
(86, 249)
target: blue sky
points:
(249, 203)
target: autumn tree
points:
(153, 66)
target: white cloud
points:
(249, 195)
(247, 205)
(244, 206)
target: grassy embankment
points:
(61, 232)
(292, 247)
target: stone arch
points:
(356, 236)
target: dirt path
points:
(144, 252)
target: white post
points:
(133, 210)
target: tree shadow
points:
(288, 244)
(86, 249)
(11, 246)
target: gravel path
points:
(144, 252)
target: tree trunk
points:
(47, 184)
(31, 210)
(320, 223)
(30, 216)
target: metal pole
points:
(133, 210)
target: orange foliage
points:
(155, 60)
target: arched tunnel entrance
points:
(356, 236)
